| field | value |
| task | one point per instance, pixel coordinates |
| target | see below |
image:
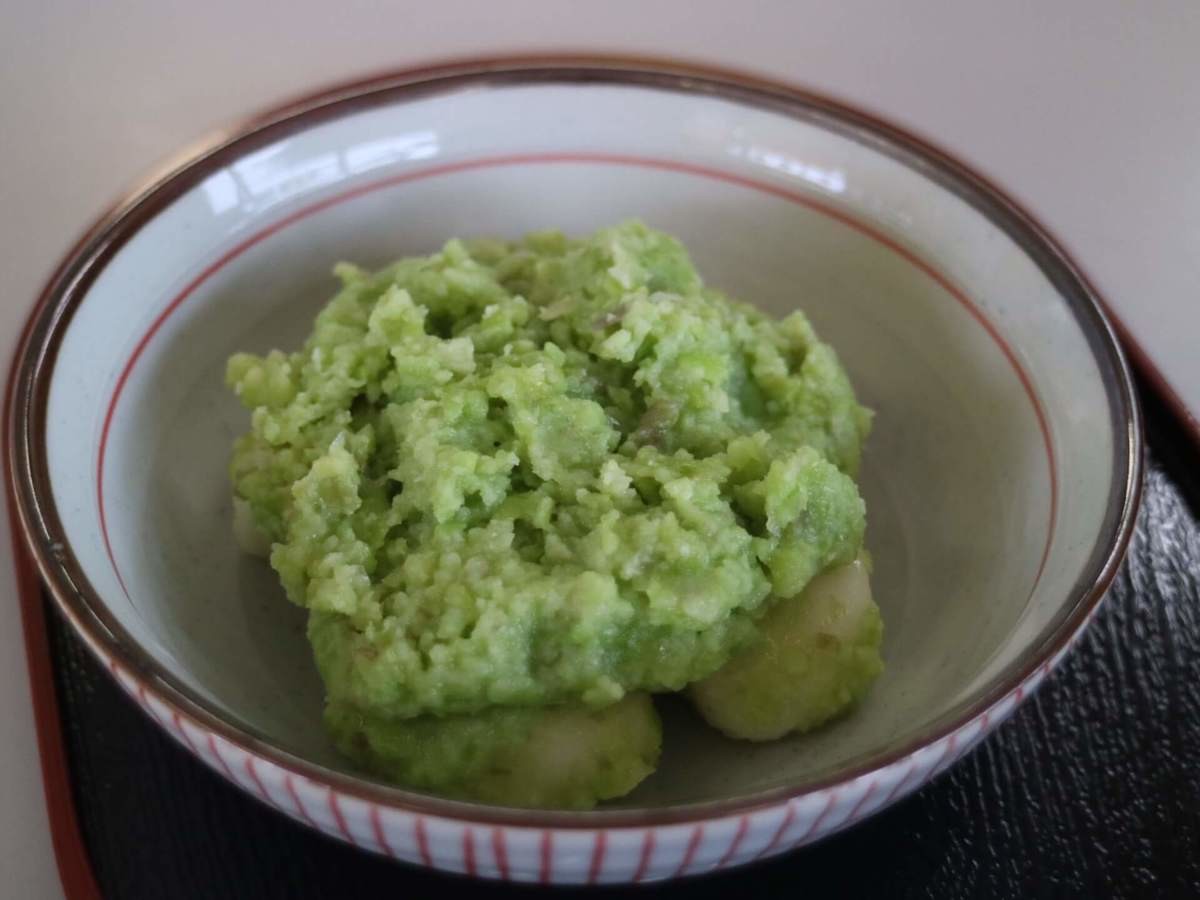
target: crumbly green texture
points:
(559, 757)
(817, 655)
(540, 473)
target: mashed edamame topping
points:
(534, 478)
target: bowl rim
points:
(33, 364)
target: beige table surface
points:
(1085, 110)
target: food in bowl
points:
(522, 486)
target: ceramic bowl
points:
(1001, 477)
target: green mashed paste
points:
(550, 473)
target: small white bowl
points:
(1002, 476)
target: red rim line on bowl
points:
(668, 165)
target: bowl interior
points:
(982, 379)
